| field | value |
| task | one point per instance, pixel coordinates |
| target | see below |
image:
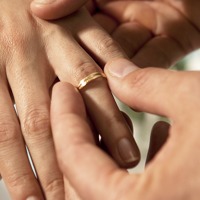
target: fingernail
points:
(121, 68)
(32, 198)
(43, 1)
(127, 151)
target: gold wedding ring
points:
(89, 78)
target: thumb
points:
(149, 90)
(54, 9)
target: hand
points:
(33, 54)
(55, 9)
(161, 31)
(172, 174)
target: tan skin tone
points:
(143, 28)
(33, 54)
(172, 174)
(153, 25)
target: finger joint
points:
(54, 185)
(9, 132)
(37, 123)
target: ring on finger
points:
(91, 77)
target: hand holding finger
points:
(175, 159)
(121, 82)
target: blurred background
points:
(143, 123)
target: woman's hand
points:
(33, 54)
(173, 173)
(152, 33)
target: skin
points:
(143, 28)
(55, 9)
(172, 174)
(33, 54)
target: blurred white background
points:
(142, 122)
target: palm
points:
(152, 33)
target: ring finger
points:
(72, 64)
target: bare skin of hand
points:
(172, 174)
(161, 31)
(33, 54)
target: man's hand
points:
(54, 9)
(152, 33)
(173, 173)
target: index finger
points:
(75, 147)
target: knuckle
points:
(54, 185)
(110, 46)
(19, 180)
(15, 41)
(83, 68)
(107, 43)
(9, 132)
(37, 123)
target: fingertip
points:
(55, 9)
(159, 136)
(61, 89)
(128, 152)
(66, 100)
(63, 85)
(46, 11)
(117, 71)
(120, 68)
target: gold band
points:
(90, 78)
